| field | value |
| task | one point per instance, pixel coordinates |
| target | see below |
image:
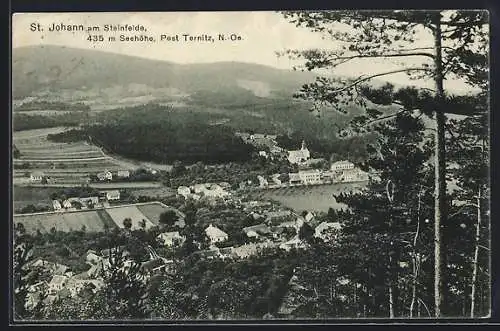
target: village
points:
(272, 225)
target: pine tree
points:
(459, 50)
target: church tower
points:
(303, 145)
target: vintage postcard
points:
(181, 166)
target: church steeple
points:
(303, 145)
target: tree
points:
(471, 198)
(127, 223)
(306, 232)
(459, 49)
(169, 217)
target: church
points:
(299, 156)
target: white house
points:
(353, 175)
(322, 229)
(294, 178)
(90, 201)
(309, 216)
(262, 181)
(56, 204)
(342, 165)
(123, 173)
(57, 283)
(215, 234)
(105, 175)
(171, 238)
(210, 190)
(36, 176)
(92, 257)
(299, 156)
(112, 195)
(184, 191)
(263, 154)
(310, 177)
(67, 204)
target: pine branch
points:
(361, 80)
(348, 58)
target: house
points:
(262, 181)
(105, 175)
(67, 204)
(184, 191)
(36, 176)
(276, 179)
(257, 230)
(273, 216)
(57, 283)
(112, 195)
(171, 238)
(210, 190)
(313, 162)
(321, 231)
(215, 234)
(263, 154)
(89, 201)
(310, 177)
(293, 243)
(294, 178)
(341, 165)
(309, 216)
(92, 257)
(353, 175)
(299, 156)
(56, 204)
(123, 174)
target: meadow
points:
(94, 220)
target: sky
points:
(262, 35)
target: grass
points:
(120, 213)
(66, 222)
(94, 220)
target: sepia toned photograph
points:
(250, 166)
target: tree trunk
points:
(440, 172)
(415, 259)
(391, 302)
(476, 256)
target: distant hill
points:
(42, 70)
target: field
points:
(70, 221)
(23, 196)
(63, 162)
(94, 220)
(299, 198)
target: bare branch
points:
(462, 208)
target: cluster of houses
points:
(274, 228)
(75, 203)
(65, 283)
(209, 190)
